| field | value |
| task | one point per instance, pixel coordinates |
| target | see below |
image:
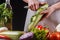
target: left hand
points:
(48, 12)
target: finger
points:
(34, 7)
(44, 12)
(31, 7)
(50, 12)
(44, 16)
(48, 15)
(37, 6)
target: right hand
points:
(35, 4)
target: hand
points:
(34, 4)
(48, 12)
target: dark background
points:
(1, 1)
(19, 14)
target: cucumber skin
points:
(38, 17)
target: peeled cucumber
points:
(14, 35)
(37, 17)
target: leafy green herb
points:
(5, 14)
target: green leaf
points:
(5, 13)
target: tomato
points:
(57, 35)
(40, 27)
(54, 36)
(4, 37)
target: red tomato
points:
(54, 36)
(57, 35)
(39, 27)
(4, 37)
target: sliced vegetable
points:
(33, 18)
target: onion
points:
(3, 29)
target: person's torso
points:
(56, 14)
(53, 20)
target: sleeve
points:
(51, 2)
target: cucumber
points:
(37, 17)
(14, 35)
(33, 18)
